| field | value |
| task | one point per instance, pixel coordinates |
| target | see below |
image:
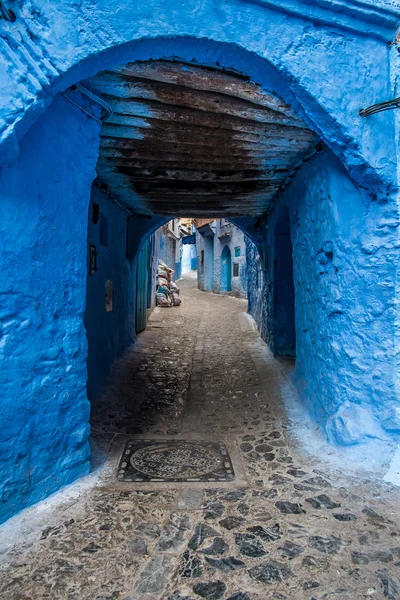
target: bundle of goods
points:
(167, 290)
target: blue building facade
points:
(221, 258)
(335, 306)
(171, 247)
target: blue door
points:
(141, 287)
(226, 270)
(208, 263)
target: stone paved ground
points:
(288, 527)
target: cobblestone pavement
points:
(288, 526)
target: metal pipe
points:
(375, 108)
(93, 97)
(7, 13)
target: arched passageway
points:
(218, 124)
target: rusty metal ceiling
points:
(192, 141)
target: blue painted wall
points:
(226, 270)
(284, 334)
(108, 333)
(44, 409)
(345, 246)
(212, 239)
(208, 241)
(170, 252)
(252, 37)
(345, 266)
(189, 261)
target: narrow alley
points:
(251, 514)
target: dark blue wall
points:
(108, 333)
(284, 336)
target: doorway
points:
(142, 287)
(284, 342)
(208, 263)
(226, 270)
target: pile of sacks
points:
(167, 290)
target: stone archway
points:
(324, 64)
(257, 38)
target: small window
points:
(236, 269)
(202, 257)
(95, 213)
(103, 230)
(237, 251)
(109, 296)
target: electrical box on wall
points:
(92, 259)
(109, 295)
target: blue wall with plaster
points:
(212, 240)
(231, 237)
(189, 259)
(170, 252)
(44, 409)
(344, 244)
(108, 333)
(345, 253)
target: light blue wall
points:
(44, 409)
(345, 253)
(235, 239)
(188, 258)
(213, 243)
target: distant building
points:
(221, 257)
(171, 247)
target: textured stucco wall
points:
(44, 410)
(259, 291)
(326, 64)
(170, 252)
(108, 332)
(345, 253)
(200, 265)
(326, 59)
(189, 261)
(235, 239)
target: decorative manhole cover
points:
(175, 460)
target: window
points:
(95, 213)
(237, 251)
(103, 230)
(202, 258)
(236, 269)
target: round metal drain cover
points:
(182, 459)
(175, 460)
